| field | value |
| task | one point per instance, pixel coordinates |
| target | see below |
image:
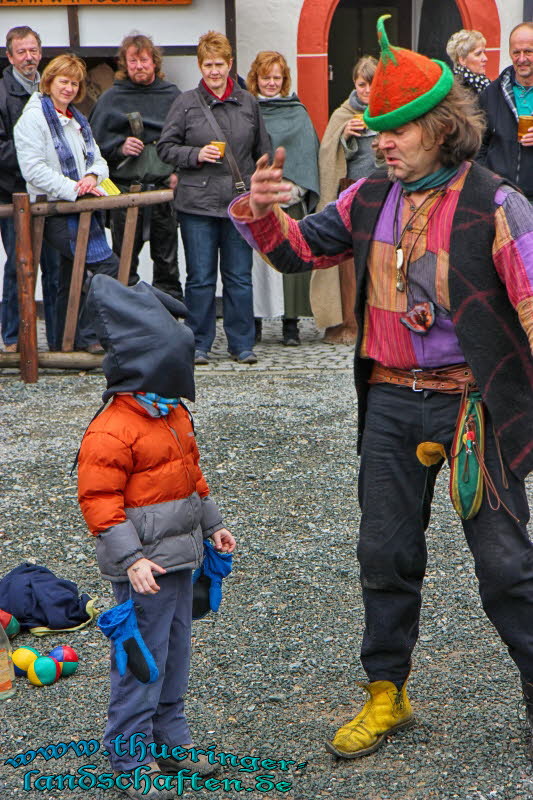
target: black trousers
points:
(163, 236)
(395, 493)
(56, 234)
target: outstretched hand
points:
(267, 187)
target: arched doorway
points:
(313, 33)
(352, 34)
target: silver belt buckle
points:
(414, 387)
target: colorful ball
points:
(9, 623)
(22, 658)
(67, 657)
(44, 671)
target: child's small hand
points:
(224, 541)
(141, 578)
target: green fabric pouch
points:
(466, 474)
(146, 168)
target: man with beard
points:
(19, 81)
(443, 369)
(140, 87)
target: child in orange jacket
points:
(144, 498)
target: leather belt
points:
(443, 379)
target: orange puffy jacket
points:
(141, 489)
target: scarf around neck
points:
(431, 181)
(472, 80)
(64, 153)
(162, 406)
(355, 103)
(97, 248)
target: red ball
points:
(67, 657)
(9, 623)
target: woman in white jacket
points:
(59, 157)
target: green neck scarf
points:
(431, 181)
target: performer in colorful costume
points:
(444, 304)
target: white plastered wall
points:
(267, 25)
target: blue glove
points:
(214, 568)
(120, 625)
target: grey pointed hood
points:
(146, 348)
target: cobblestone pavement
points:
(272, 356)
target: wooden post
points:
(37, 231)
(128, 239)
(27, 337)
(76, 281)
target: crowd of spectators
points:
(144, 130)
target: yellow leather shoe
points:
(387, 710)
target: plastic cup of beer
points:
(359, 116)
(525, 121)
(221, 147)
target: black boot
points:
(258, 322)
(291, 337)
(527, 691)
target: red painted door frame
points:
(312, 56)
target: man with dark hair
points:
(132, 157)
(443, 369)
(507, 98)
(19, 81)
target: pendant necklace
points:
(401, 277)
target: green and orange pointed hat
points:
(405, 86)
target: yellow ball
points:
(22, 658)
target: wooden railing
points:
(29, 220)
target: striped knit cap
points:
(405, 86)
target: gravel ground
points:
(274, 673)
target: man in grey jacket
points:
(19, 81)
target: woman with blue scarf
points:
(59, 157)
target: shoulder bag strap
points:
(237, 178)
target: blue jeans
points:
(57, 234)
(49, 280)
(203, 239)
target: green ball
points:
(22, 658)
(44, 671)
